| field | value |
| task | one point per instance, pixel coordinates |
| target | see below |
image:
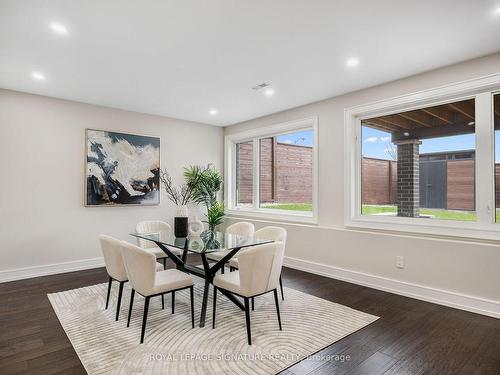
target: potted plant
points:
(205, 184)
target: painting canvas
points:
(122, 169)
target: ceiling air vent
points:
(261, 86)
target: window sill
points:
(277, 215)
(428, 227)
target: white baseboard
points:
(425, 293)
(439, 296)
(49, 269)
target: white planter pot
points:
(195, 226)
(181, 211)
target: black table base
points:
(207, 273)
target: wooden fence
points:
(497, 185)
(461, 190)
(286, 176)
(244, 180)
(285, 172)
(379, 184)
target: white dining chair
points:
(140, 267)
(154, 226)
(259, 273)
(112, 252)
(241, 228)
(276, 234)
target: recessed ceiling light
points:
(38, 76)
(269, 91)
(58, 28)
(352, 62)
(213, 111)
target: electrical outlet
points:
(400, 261)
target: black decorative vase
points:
(181, 226)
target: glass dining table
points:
(203, 245)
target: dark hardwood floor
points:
(411, 336)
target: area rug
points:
(172, 347)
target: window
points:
(272, 171)
(426, 162)
(420, 163)
(496, 115)
(286, 171)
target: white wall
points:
(42, 217)
(43, 220)
(469, 269)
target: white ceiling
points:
(179, 58)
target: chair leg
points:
(173, 302)
(192, 305)
(247, 316)
(253, 303)
(231, 269)
(162, 302)
(164, 263)
(222, 269)
(215, 306)
(120, 292)
(109, 291)
(132, 294)
(277, 306)
(281, 287)
(144, 318)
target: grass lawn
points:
(288, 206)
(435, 213)
(375, 209)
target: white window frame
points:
(482, 89)
(255, 135)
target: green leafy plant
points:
(215, 215)
(205, 184)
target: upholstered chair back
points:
(276, 234)
(150, 226)
(141, 267)
(242, 228)
(112, 251)
(260, 267)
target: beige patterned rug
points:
(171, 346)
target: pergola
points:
(432, 122)
(409, 128)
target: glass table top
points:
(207, 242)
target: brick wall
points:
(408, 185)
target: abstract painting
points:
(122, 169)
